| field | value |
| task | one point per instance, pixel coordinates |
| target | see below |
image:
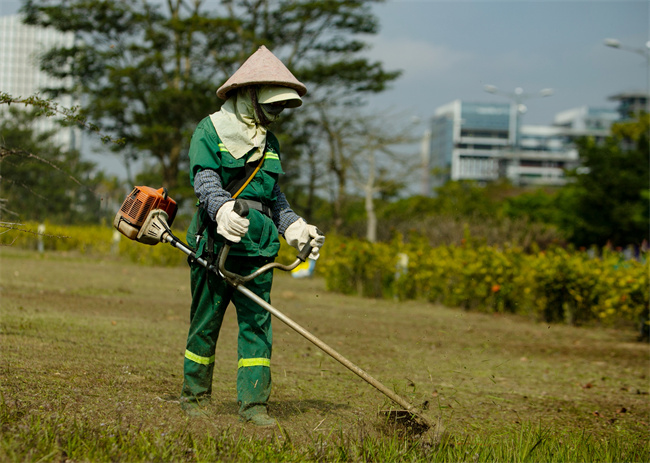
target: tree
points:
(610, 197)
(40, 180)
(377, 167)
(355, 153)
(150, 72)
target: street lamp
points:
(517, 109)
(645, 52)
(615, 43)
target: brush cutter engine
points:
(145, 215)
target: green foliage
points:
(150, 69)
(39, 179)
(465, 198)
(103, 240)
(611, 199)
(555, 285)
(575, 288)
(468, 200)
(410, 208)
(65, 116)
(97, 240)
(539, 206)
(357, 267)
(499, 214)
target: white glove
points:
(231, 225)
(300, 232)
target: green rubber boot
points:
(195, 408)
(263, 420)
(259, 416)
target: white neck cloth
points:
(238, 127)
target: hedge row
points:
(557, 285)
(102, 241)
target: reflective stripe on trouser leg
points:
(210, 297)
(198, 359)
(254, 348)
(261, 362)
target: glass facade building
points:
(482, 142)
(20, 49)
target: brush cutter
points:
(146, 216)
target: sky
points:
(451, 49)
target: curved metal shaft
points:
(336, 356)
(238, 279)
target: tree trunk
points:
(170, 168)
(371, 224)
(311, 187)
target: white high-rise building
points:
(482, 142)
(21, 47)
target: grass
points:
(91, 366)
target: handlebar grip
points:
(304, 252)
(241, 207)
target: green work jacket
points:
(207, 152)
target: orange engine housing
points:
(138, 204)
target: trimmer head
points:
(412, 421)
(145, 215)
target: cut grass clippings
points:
(91, 368)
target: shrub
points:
(557, 285)
(358, 267)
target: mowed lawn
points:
(95, 343)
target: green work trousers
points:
(210, 298)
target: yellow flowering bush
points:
(93, 240)
(358, 267)
(85, 239)
(625, 290)
(557, 285)
(478, 278)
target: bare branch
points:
(15, 226)
(50, 108)
(5, 152)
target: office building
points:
(20, 76)
(483, 142)
(631, 103)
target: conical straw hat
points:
(261, 68)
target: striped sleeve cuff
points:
(283, 215)
(210, 192)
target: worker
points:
(233, 154)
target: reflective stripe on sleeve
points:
(270, 155)
(259, 362)
(198, 359)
